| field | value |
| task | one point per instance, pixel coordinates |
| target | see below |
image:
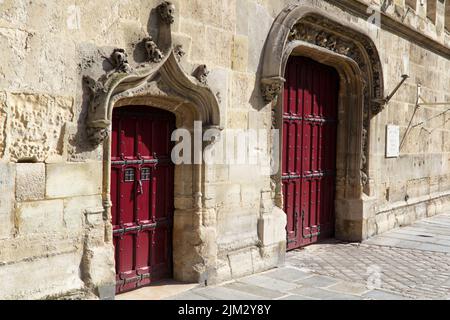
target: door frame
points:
(168, 87)
(302, 29)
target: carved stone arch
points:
(309, 31)
(303, 24)
(162, 83)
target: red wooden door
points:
(142, 195)
(309, 150)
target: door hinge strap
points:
(140, 162)
(137, 278)
(308, 175)
(138, 228)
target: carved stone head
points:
(153, 52)
(201, 74)
(167, 12)
(120, 61)
(119, 57)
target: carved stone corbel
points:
(154, 54)
(166, 12)
(271, 87)
(201, 74)
(119, 59)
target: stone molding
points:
(302, 24)
(123, 79)
(395, 26)
(162, 83)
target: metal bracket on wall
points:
(389, 97)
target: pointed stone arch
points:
(312, 32)
(162, 83)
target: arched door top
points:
(163, 68)
(312, 25)
(303, 28)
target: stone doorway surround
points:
(305, 30)
(162, 83)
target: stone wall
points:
(55, 237)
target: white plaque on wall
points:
(392, 141)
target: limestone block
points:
(239, 59)
(242, 86)
(7, 185)
(14, 42)
(272, 228)
(418, 187)
(36, 279)
(220, 14)
(38, 245)
(242, 14)
(77, 209)
(74, 179)
(30, 181)
(241, 263)
(36, 125)
(197, 31)
(219, 46)
(99, 264)
(40, 216)
(3, 118)
(259, 24)
(236, 228)
(219, 82)
(250, 195)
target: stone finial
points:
(201, 74)
(120, 61)
(153, 53)
(167, 12)
(271, 88)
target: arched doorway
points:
(310, 111)
(305, 30)
(142, 184)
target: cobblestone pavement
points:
(412, 261)
(407, 263)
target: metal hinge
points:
(136, 278)
(138, 228)
(139, 162)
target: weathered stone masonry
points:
(211, 61)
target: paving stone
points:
(287, 274)
(259, 291)
(322, 294)
(407, 269)
(269, 283)
(296, 297)
(222, 293)
(187, 296)
(348, 287)
(383, 295)
(415, 268)
(317, 281)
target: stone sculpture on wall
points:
(125, 80)
(167, 12)
(154, 54)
